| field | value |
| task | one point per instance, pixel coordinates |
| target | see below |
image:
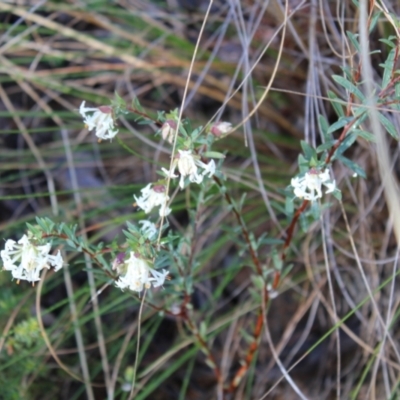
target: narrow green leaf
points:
(388, 68)
(325, 146)
(337, 193)
(354, 40)
(348, 86)
(339, 124)
(352, 165)
(289, 206)
(388, 41)
(336, 104)
(374, 20)
(388, 126)
(309, 152)
(347, 142)
(213, 154)
(364, 134)
(303, 163)
(397, 91)
(324, 126)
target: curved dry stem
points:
(51, 349)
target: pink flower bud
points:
(105, 109)
(220, 129)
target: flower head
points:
(153, 197)
(220, 128)
(309, 187)
(25, 260)
(99, 118)
(189, 166)
(139, 275)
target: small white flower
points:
(188, 166)
(168, 130)
(25, 260)
(153, 197)
(140, 276)
(219, 129)
(309, 187)
(148, 229)
(99, 118)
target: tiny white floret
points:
(309, 187)
(100, 119)
(139, 275)
(25, 260)
(153, 196)
(190, 166)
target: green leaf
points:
(388, 126)
(374, 20)
(241, 202)
(304, 223)
(364, 134)
(347, 142)
(352, 165)
(389, 41)
(388, 68)
(309, 152)
(354, 40)
(303, 163)
(335, 102)
(315, 210)
(213, 154)
(324, 126)
(348, 86)
(136, 104)
(397, 91)
(277, 260)
(338, 194)
(339, 124)
(325, 146)
(289, 206)
(347, 72)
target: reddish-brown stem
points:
(290, 228)
(144, 115)
(340, 140)
(251, 350)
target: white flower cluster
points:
(100, 119)
(153, 197)
(309, 187)
(189, 166)
(25, 260)
(139, 275)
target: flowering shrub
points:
(155, 256)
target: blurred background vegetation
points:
(54, 55)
